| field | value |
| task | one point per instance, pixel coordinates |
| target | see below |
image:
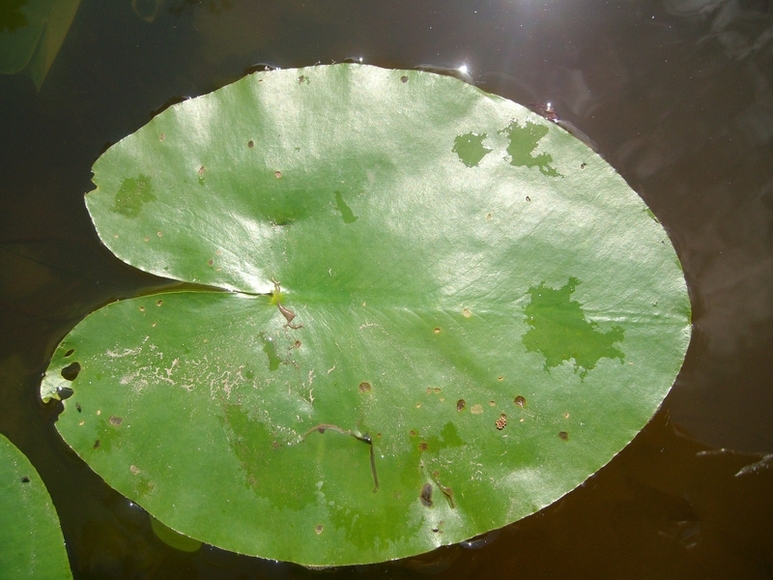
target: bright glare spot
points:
(463, 69)
(360, 59)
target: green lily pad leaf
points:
(31, 541)
(437, 313)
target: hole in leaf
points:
(403, 79)
(520, 401)
(69, 353)
(318, 529)
(436, 330)
(277, 174)
(563, 435)
(70, 372)
(78, 407)
(65, 393)
(250, 143)
(25, 479)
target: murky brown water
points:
(677, 96)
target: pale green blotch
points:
(560, 331)
(132, 195)
(523, 141)
(470, 149)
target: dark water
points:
(675, 93)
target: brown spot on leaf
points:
(501, 423)
(277, 174)
(423, 446)
(318, 529)
(250, 143)
(365, 387)
(563, 435)
(460, 405)
(115, 420)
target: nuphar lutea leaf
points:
(441, 312)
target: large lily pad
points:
(31, 542)
(443, 312)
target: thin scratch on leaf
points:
(125, 352)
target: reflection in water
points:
(479, 542)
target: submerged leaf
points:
(445, 313)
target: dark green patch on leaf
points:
(269, 347)
(523, 141)
(132, 195)
(346, 211)
(470, 149)
(560, 331)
